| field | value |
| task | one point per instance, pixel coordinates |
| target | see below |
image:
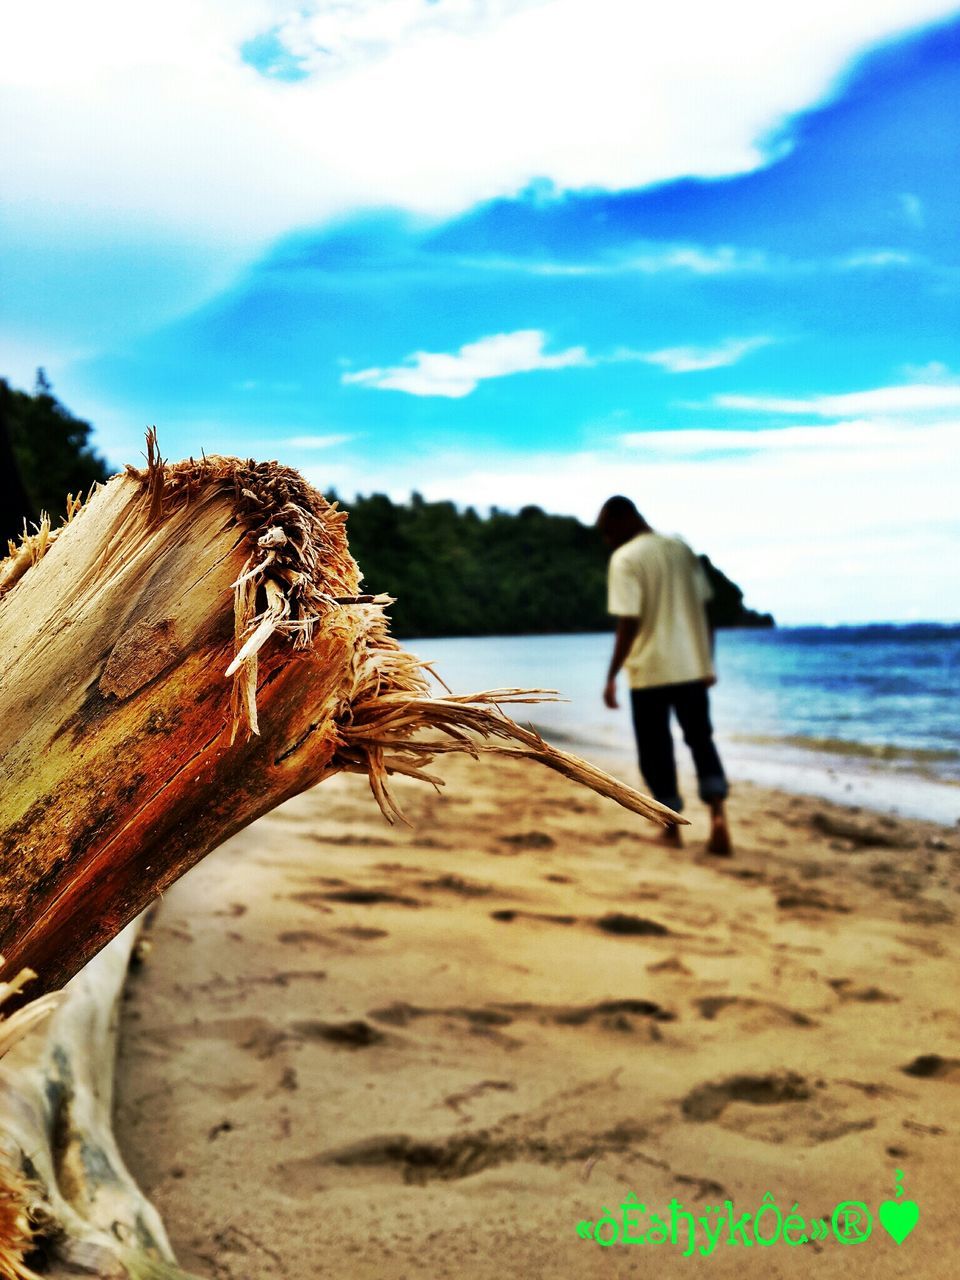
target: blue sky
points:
(511, 251)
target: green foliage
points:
(50, 447)
(456, 574)
(727, 609)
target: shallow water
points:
(862, 714)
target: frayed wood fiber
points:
(188, 651)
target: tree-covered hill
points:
(452, 572)
(456, 573)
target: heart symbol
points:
(899, 1217)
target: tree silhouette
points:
(51, 453)
(15, 504)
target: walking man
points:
(657, 590)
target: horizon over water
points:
(863, 715)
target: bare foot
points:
(719, 843)
(671, 836)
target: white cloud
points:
(258, 384)
(932, 371)
(339, 36)
(645, 258)
(664, 257)
(912, 209)
(915, 399)
(876, 258)
(146, 116)
(695, 359)
(314, 442)
(835, 437)
(140, 140)
(429, 373)
(697, 259)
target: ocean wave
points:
(885, 751)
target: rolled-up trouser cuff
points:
(714, 787)
(672, 802)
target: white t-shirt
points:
(660, 581)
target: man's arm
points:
(627, 629)
(710, 681)
(705, 593)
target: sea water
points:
(865, 715)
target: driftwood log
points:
(58, 1155)
(190, 649)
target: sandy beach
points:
(360, 1051)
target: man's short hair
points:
(617, 510)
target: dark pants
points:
(651, 723)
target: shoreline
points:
(388, 1052)
(807, 736)
(856, 779)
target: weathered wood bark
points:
(125, 753)
(118, 763)
(58, 1155)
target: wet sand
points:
(363, 1051)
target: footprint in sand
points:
(356, 897)
(882, 834)
(455, 1101)
(673, 965)
(580, 1015)
(931, 1066)
(709, 1101)
(567, 805)
(527, 840)
(631, 926)
(355, 1034)
(769, 1014)
(366, 842)
(802, 899)
(459, 885)
(485, 1022)
(926, 1130)
(847, 989)
(781, 1108)
(929, 946)
(459, 1155)
(611, 1015)
(507, 915)
(932, 913)
(629, 1016)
